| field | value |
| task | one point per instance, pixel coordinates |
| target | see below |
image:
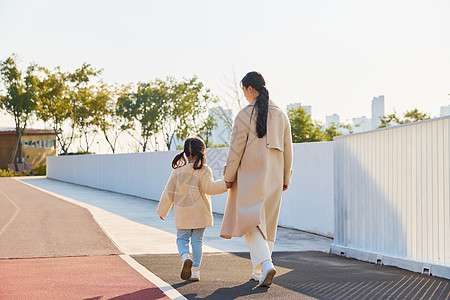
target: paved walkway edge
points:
(162, 285)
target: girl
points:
(187, 189)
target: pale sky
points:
(333, 55)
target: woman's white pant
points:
(260, 249)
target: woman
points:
(258, 169)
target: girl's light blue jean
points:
(196, 237)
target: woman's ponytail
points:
(176, 161)
(256, 80)
(262, 105)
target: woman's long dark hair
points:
(256, 81)
(192, 147)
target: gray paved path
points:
(35, 224)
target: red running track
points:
(90, 277)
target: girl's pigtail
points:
(176, 161)
(199, 162)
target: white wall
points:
(308, 202)
(392, 196)
(306, 205)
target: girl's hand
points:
(285, 187)
(161, 218)
(229, 184)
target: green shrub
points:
(42, 169)
(77, 153)
(220, 146)
(6, 173)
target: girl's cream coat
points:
(187, 190)
(258, 169)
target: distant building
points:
(445, 111)
(334, 118)
(362, 124)
(377, 111)
(221, 134)
(37, 144)
(308, 108)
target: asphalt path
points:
(300, 275)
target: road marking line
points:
(162, 285)
(13, 217)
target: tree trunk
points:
(17, 147)
(19, 141)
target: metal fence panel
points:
(392, 197)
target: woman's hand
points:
(229, 184)
(285, 187)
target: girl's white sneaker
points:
(186, 265)
(195, 274)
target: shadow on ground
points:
(300, 275)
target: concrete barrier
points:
(307, 204)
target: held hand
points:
(285, 187)
(161, 218)
(229, 184)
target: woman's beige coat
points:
(188, 191)
(258, 169)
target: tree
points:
(86, 116)
(20, 98)
(414, 116)
(410, 116)
(304, 130)
(145, 107)
(206, 130)
(108, 119)
(62, 100)
(233, 100)
(184, 109)
(55, 106)
(83, 103)
(335, 130)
